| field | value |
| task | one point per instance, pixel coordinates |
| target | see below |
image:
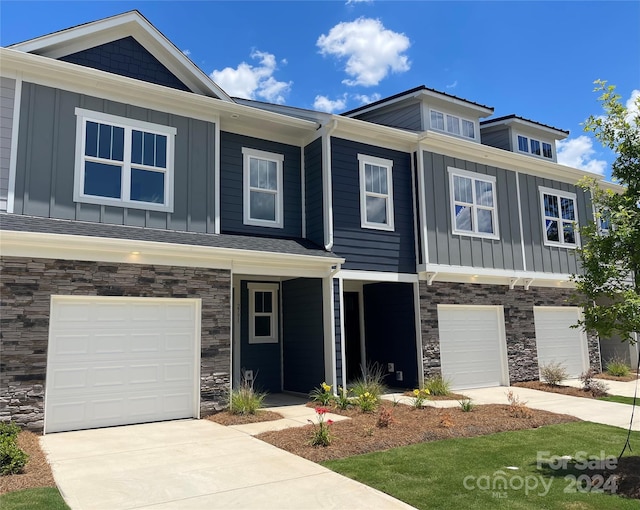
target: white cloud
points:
(349, 2)
(371, 50)
(365, 99)
(452, 85)
(578, 153)
(632, 106)
(186, 52)
(324, 104)
(253, 82)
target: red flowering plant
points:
(321, 434)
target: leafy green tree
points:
(609, 289)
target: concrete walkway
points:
(195, 464)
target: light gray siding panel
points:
(499, 138)
(7, 97)
(46, 162)
(459, 250)
(407, 117)
(548, 259)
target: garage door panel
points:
(470, 345)
(132, 361)
(557, 341)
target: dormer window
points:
(453, 124)
(535, 147)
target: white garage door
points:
(117, 361)
(472, 345)
(557, 341)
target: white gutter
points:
(327, 202)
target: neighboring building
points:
(162, 241)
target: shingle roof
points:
(19, 223)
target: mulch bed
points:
(564, 390)
(37, 472)
(627, 378)
(362, 434)
(448, 396)
(227, 418)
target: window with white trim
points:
(535, 147)
(452, 124)
(123, 162)
(473, 204)
(263, 313)
(376, 192)
(262, 176)
(559, 217)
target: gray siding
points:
(231, 199)
(407, 117)
(499, 138)
(302, 334)
(548, 259)
(364, 248)
(126, 57)
(459, 250)
(46, 159)
(7, 95)
(313, 191)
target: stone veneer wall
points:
(522, 356)
(26, 285)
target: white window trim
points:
(560, 194)
(263, 287)
(82, 116)
(452, 203)
(247, 154)
(541, 141)
(363, 160)
(460, 119)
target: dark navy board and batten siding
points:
(313, 192)
(231, 182)
(548, 259)
(302, 334)
(406, 117)
(365, 248)
(460, 250)
(126, 57)
(46, 160)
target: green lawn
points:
(460, 473)
(33, 499)
(620, 399)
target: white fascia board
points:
(83, 80)
(446, 273)
(461, 104)
(376, 276)
(100, 249)
(90, 35)
(527, 126)
(375, 134)
(487, 155)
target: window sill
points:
(492, 237)
(263, 223)
(145, 206)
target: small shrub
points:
(245, 400)
(595, 387)
(553, 373)
(420, 397)
(367, 431)
(12, 458)
(322, 395)
(466, 405)
(617, 368)
(438, 385)
(517, 407)
(367, 402)
(9, 429)
(343, 401)
(385, 418)
(321, 434)
(371, 381)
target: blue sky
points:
(537, 60)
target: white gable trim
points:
(90, 35)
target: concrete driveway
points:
(195, 464)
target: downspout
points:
(327, 203)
